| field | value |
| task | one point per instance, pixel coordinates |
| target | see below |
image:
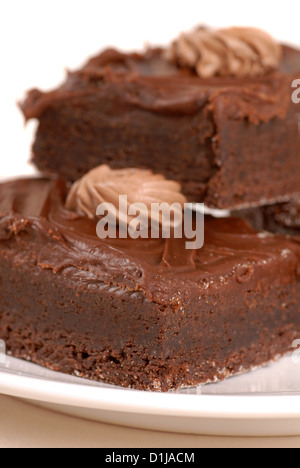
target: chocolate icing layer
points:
(232, 252)
(165, 88)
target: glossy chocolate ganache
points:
(233, 251)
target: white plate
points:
(265, 402)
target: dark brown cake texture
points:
(146, 314)
(229, 141)
(283, 218)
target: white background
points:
(40, 38)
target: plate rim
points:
(154, 403)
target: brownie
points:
(145, 313)
(281, 218)
(227, 140)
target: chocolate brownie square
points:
(230, 141)
(146, 313)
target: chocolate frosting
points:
(237, 52)
(104, 185)
(33, 214)
(164, 88)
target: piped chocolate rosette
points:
(104, 186)
(230, 52)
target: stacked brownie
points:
(230, 141)
(213, 112)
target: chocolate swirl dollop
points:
(236, 52)
(104, 185)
